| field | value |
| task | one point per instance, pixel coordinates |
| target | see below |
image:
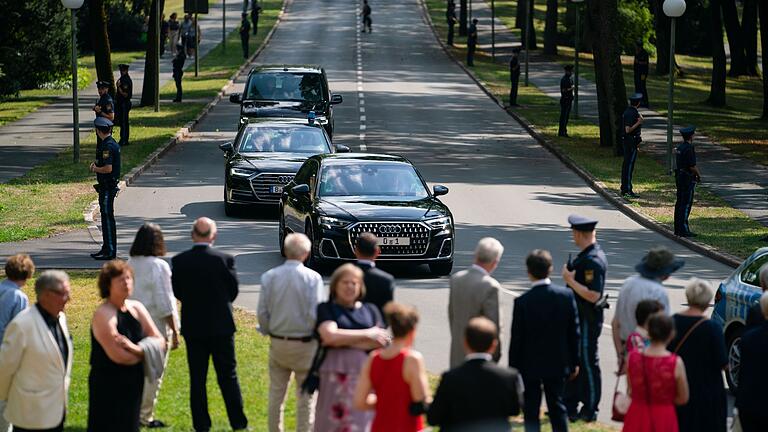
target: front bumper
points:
(257, 189)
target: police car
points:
(733, 299)
(264, 157)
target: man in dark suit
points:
(205, 282)
(379, 285)
(751, 397)
(544, 342)
(479, 395)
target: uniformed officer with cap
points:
(472, 42)
(104, 106)
(686, 176)
(178, 71)
(585, 275)
(514, 76)
(450, 17)
(123, 107)
(107, 169)
(633, 123)
(566, 100)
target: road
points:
(407, 97)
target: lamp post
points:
(528, 20)
(158, 20)
(576, 57)
(224, 24)
(493, 29)
(73, 6)
(673, 9)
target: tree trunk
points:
(462, 17)
(749, 32)
(520, 14)
(661, 24)
(100, 41)
(151, 61)
(550, 28)
(532, 29)
(717, 87)
(763, 10)
(735, 43)
(609, 77)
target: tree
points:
(749, 33)
(462, 17)
(735, 43)
(100, 40)
(550, 28)
(763, 11)
(662, 26)
(151, 61)
(717, 87)
(523, 13)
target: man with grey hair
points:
(754, 314)
(37, 354)
(474, 293)
(287, 312)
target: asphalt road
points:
(407, 97)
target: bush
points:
(123, 26)
(636, 23)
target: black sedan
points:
(264, 158)
(336, 197)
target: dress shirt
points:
(636, 289)
(288, 302)
(152, 287)
(480, 269)
(478, 356)
(58, 335)
(12, 301)
(545, 281)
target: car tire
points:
(441, 268)
(281, 232)
(733, 350)
(313, 261)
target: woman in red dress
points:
(393, 381)
(657, 381)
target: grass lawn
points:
(717, 224)
(50, 199)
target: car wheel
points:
(441, 268)
(733, 345)
(281, 232)
(312, 261)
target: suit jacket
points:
(476, 396)
(34, 381)
(205, 282)
(750, 395)
(545, 333)
(473, 293)
(379, 286)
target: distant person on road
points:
(366, 16)
(566, 100)
(245, 34)
(173, 32)
(514, 76)
(107, 170)
(474, 292)
(178, 70)
(686, 176)
(640, 68)
(124, 88)
(751, 397)
(755, 314)
(472, 42)
(632, 122)
(255, 12)
(379, 285)
(450, 17)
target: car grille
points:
(262, 185)
(417, 232)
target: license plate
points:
(394, 241)
(276, 189)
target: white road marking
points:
(362, 118)
(360, 93)
(362, 109)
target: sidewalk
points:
(43, 134)
(742, 183)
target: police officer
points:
(686, 176)
(514, 76)
(123, 107)
(245, 33)
(178, 70)
(107, 169)
(104, 106)
(472, 42)
(366, 16)
(255, 11)
(566, 100)
(640, 68)
(585, 275)
(450, 16)
(633, 123)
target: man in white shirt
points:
(287, 312)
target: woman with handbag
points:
(657, 381)
(699, 342)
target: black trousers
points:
(514, 83)
(685, 188)
(255, 22)
(123, 113)
(628, 166)
(586, 388)
(367, 23)
(753, 422)
(553, 392)
(640, 87)
(565, 113)
(450, 34)
(177, 80)
(107, 195)
(471, 54)
(244, 40)
(222, 349)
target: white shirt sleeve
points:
(262, 310)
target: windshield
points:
(372, 179)
(286, 86)
(276, 139)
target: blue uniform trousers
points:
(122, 113)
(628, 166)
(587, 386)
(685, 188)
(553, 392)
(565, 113)
(107, 195)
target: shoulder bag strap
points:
(688, 333)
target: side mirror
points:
(336, 99)
(342, 149)
(439, 190)
(302, 189)
(236, 98)
(227, 147)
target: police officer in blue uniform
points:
(566, 100)
(585, 275)
(107, 169)
(633, 123)
(104, 107)
(124, 87)
(472, 43)
(686, 176)
(514, 76)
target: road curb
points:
(591, 180)
(90, 212)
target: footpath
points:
(740, 182)
(41, 135)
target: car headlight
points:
(441, 222)
(332, 222)
(240, 172)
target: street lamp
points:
(576, 57)
(73, 6)
(493, 29)
(673, 9)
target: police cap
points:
(568, 67)
(637, 97)
(687, 131)
(123, 66)
(103, 84)
(516, 49)
(102, 123)
(582, 223)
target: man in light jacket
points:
(36, 359)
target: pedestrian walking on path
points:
(178, 70)
(124, 87)
(450, 16)
(472, 43)
(245, 34)
(640, 68)
(173, 33)
(633, 123)
(514, 76)
(686, 176)
(566, 100)
(255, 11)
(107, 169)
(366, 16)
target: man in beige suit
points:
(474, 293)
(36, 359)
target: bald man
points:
(205, 282)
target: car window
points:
(751, 274)
(286, 86)
(306, 172)
(275, 139)
(372, 179)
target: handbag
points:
(621, 402)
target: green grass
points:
(716, 223)
(50, 199)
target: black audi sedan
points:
(264, 157)
(336, 197)
(287, 91)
